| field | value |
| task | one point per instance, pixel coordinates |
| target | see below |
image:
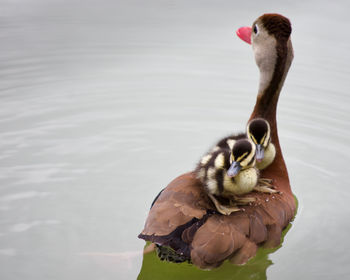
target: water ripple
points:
(21, 227)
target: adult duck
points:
(183, 222)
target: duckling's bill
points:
(234, 169)
(259, 153)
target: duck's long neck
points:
(271, 82)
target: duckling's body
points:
(243, 183)
(270, 153)
(214, 168)
(227, 171)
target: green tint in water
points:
(155, 269)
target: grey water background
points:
(103, 103)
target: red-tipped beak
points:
(245, 34)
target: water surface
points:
(103, 103)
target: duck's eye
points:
(255, 29)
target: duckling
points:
(229, 172)
(258, 130)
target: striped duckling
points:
(258, 130)
(228, 173)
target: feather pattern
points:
(183, 217)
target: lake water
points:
(103, 103)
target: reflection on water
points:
(102, 103)
(153, 268)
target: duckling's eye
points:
(255, 29)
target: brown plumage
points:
(276, 25)
(183, 217)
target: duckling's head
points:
(258, 130)
(242, 157)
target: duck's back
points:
(183, 218)
(180, 209)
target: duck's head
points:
(258, 130)
(242, 157)
(270, 38)
(266, 32)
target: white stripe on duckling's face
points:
(267, 137)
(249, 160)
(243, 153)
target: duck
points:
(259, 131)
(228, 173)
(183, 219)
